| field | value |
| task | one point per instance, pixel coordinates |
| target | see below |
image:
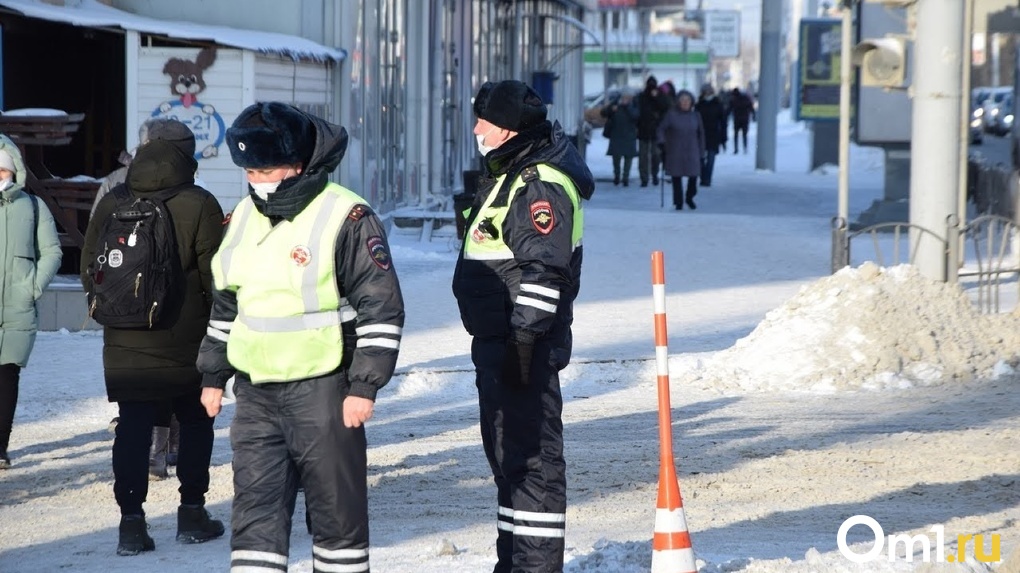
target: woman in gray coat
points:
(682, 137)
(30, 254)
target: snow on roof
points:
(92, 14)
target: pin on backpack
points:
(135, 265)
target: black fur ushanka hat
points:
(509, 104)
(271, 134)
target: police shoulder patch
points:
(357, 212)
(542, 217)
(377, 250)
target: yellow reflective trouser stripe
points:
(277, 324)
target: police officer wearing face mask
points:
(307, 318)
(515, 282)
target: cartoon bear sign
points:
(187, 81)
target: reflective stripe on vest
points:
(481, 246)
(289, 310)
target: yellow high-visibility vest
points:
(480, 245)
(289, 308)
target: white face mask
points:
(482, 148)
(264, 190)
(6, 183)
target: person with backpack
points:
(146, 269)
(166, 432)
(31, 257)
(307, 319)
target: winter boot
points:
(134, 536)
(157, 453)
(194, 525)
(5, 460)
(175, 442)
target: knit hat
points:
(6, 161)
(509, 104)
(271, 134)
(170, 130)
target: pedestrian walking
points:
(652, 105)
(683, 139)
(149, 369)
(742, 109)
(31, 257)
(713, 119)
(621, 125)
(307, 318)
(515, 282)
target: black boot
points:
(195, 526)
(134, 536)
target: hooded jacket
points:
(30, 255)
(157, 364)
(362, 265)
(486, 290)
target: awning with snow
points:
(93, 14)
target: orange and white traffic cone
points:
(672, 551)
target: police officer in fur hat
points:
(516, 279)
(306, 319)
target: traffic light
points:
(883, 62)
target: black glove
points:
(517, 359)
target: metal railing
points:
(982, 256)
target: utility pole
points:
(935, 130)
(768, 84)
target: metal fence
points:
(983, 257)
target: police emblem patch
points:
(542, 217)
(301, 256)
(377, 250)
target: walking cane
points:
(662, 187)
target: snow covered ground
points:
(799, 398)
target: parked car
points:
(1002, 123)
(593, 104)
(993, 106)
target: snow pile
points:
(867, 328)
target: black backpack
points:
(135, 265)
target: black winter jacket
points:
(653, 104)
(364, 275)
(487, 290)
(713, 119)
(141, 364)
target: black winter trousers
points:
(678, 190)
(134, 438)
(522, 435)
(287, 435)
(10, 374)
(739, 134)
